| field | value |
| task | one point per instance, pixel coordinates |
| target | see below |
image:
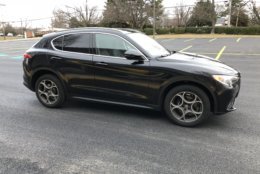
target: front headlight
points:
(226, 80)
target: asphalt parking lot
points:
(86, 137)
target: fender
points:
(45, 70)
(171, 83)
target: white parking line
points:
(186, 48)
(166, 40)
(188, 40)
(212, 40)
(239, 39)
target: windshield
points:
(149, 45)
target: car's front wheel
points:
(50, 91)
(187, 105)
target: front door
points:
(117, 78)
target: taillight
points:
(27, 56)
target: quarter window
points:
(110, 45)
(57, 43)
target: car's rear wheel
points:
(50, 91)
(187, 105)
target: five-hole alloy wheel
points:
(50, 91)
(187, 105)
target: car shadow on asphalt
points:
(119, 112)
(113, 109)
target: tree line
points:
(138, 14)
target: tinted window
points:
(110, 45)
(80, 43)
(43, 43)
(57, 43)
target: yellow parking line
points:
(188, 40)
(242, 54)
(186, 48)
(239, 39)
(233, 54)
(220, 53)
(212, 40)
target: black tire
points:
(174, 111)
(57, 90)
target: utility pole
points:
(22, 30)
(230, 13)
(3, 23)
(213, 17)
(87, 18)
(154, 19)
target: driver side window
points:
(110, 45)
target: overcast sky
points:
(15, 10)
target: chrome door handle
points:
(101, 63)
(56, 58)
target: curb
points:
(14, 40)
(203, 36)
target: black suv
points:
(124, 66)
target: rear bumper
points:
(26, 82)
(27, 76)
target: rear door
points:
(73, 59)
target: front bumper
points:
(226, 97)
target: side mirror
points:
(133, 55)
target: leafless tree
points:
(182, 14)
(82, 16)
(60, 19)
(24, 25)
(255, 12)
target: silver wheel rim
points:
(48, 92)
(186, 106)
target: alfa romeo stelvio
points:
(126, 67)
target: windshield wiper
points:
(166, 55)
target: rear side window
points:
(80, 43)
(57, 43)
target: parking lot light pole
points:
(230, 13)
(238, 12)
(154, 19)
